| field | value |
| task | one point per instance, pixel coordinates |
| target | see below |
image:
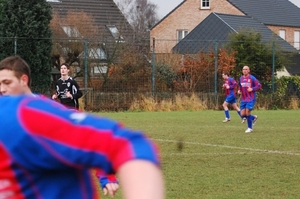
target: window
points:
(282, 34)
(97, 53)
(115, 33)
(297, 40)
(205, 4)
(181, 34)
(94, 53)
(71, 31)
(53, 0)
(99, 68)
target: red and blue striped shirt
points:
(232, 87)
(47, 150)
(246, 82)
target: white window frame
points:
(282, 34)
(297, 39)
(182, 34)
(97, 53)
(204, 4)
(100, 68)
(54, 1)
(115, 33)
(71, 31)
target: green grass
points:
(218, 160)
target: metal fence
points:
(114, 75)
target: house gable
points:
(186, 16)
(216, 28)
(276, 14)
(109, 29)
(204, 36)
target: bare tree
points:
(68, 33)
(141, 14)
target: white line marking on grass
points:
(194, 154)
(232, 147)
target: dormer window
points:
(115, 33)
(71, 31)
(97, 53)
(205, 4)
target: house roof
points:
(270, 12)
(216, 28)
(104, 12)
(293, 66)
(167, 15)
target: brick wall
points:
(185, 17)
(289, 32)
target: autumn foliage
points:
(198, 72)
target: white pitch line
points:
(232, 147)
(194, 154)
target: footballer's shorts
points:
(247, 105)
(230, 99)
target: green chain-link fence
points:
(114, 75)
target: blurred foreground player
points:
(39, 160)
(15, 79)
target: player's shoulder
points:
(59, 81)
(40, 102)
(20, 100)
(14, 98)
(71, 79)
(231, 79)
(253, 77)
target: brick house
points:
(281, 16)
(215, 29)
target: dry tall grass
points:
(179, 103)
(143, 104)
(81, 104)
(294, 103)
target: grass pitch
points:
(205, 158)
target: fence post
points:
(153, 69)
(273, 68)
(86, 55)
(15, 45)
(216, 71)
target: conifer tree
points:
(25, 31)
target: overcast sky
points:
(165, 6)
